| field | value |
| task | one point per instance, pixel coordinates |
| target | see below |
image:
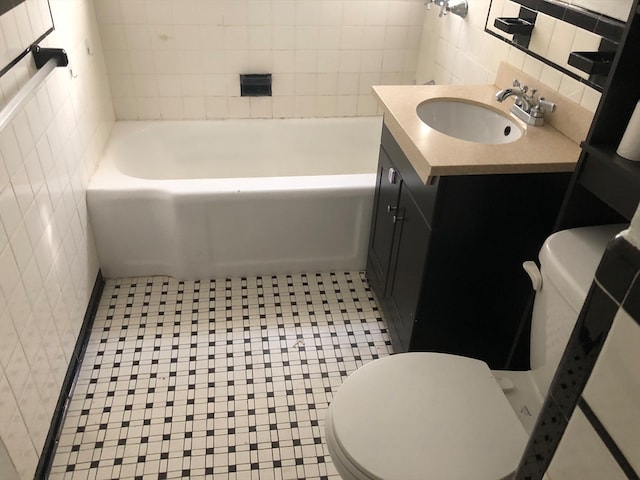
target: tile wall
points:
(588, 428)
(48, 263)
(21, 22)
(552, 38)
(180, 59)
(458, 51)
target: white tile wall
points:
(551, 38)
(20, 26)
(6, 465)
(613, 389)
(582, 455)
(47, 256)
(458, 51)
(175, 59)
(612, 393)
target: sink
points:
(473, 122)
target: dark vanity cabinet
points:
(398, 248)
(445, 259)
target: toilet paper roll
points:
(629, 147)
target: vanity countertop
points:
(431, 153)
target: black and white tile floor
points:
(227, 378)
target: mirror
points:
(577, 37)
(618, 9)
(22, 23)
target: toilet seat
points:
(423, 415)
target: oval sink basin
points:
(472, 122)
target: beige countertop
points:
(539, 150)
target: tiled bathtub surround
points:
(176, 59)
(227, 378)
(47, 258)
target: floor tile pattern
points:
(227, 378)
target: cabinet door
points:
(382, 226)
(412, 242)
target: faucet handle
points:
(523, 88)
(541, 107)
(546, 105)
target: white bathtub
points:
(205, 199)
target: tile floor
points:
(227, 378)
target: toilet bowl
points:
(392, 402)
(427, 415)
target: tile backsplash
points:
(181, 59)
(48, 262)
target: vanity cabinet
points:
(398, 248)
(445, 259)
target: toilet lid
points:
(426, 415)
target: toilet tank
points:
(568, 263)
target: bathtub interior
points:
(245, 148)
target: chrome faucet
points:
(521, 97)
(526, 106)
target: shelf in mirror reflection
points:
(558, 30)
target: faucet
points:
(526, 106)
(521, 97)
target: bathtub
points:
(206, 199)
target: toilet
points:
(427, 415)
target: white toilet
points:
(438, 416)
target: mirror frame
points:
(610, 29)
(4, 4)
